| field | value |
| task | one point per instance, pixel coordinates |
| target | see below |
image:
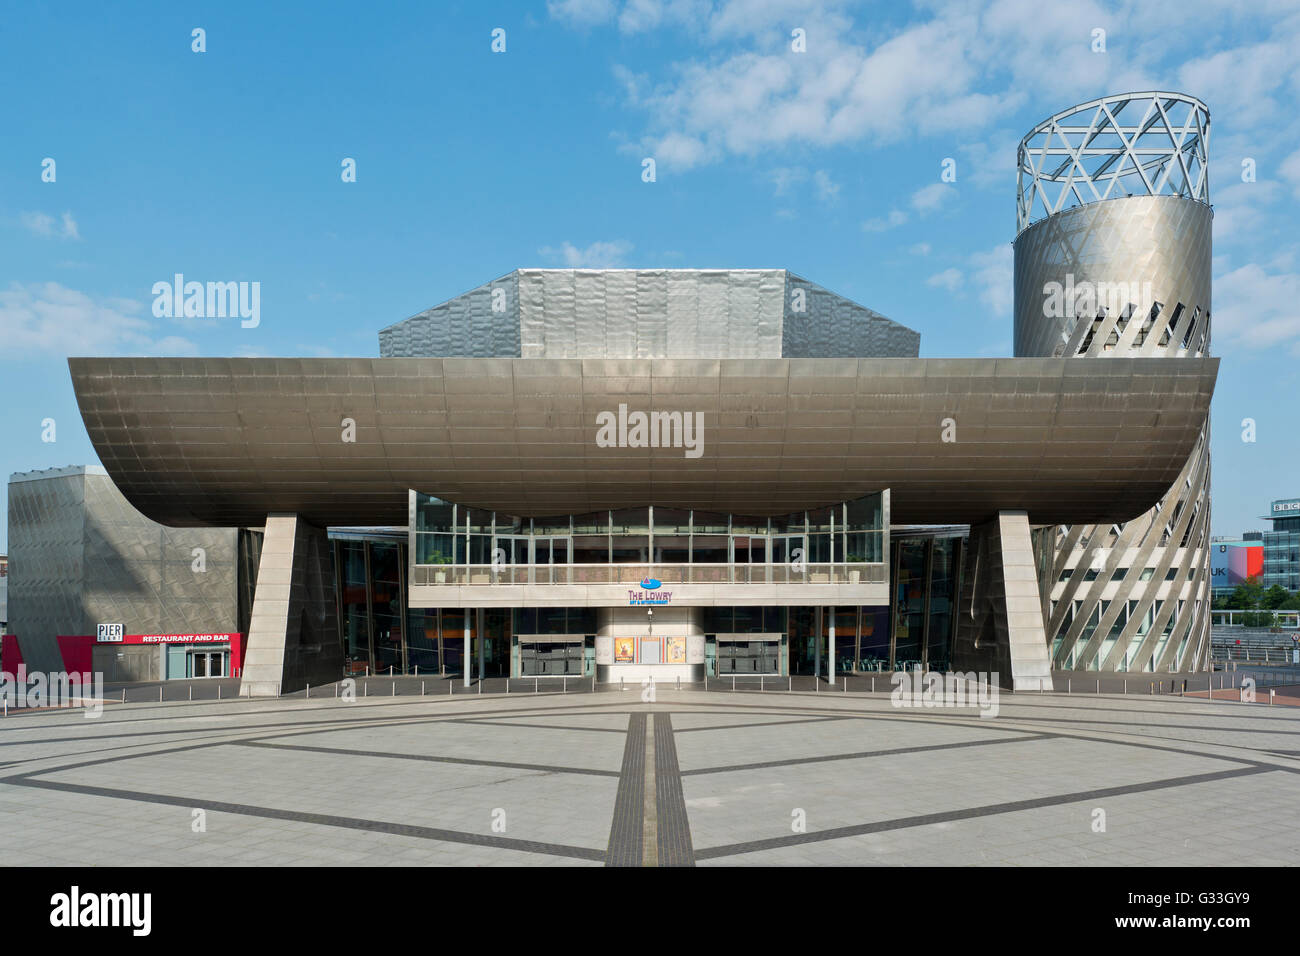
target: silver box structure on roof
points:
(649, 314)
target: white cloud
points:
(785, 177)
(1240, 206)
(1255, 308)
(827, 189)
(932, 198)
(598, 255)
(955, 70)
(993, 272)
(51, 319)
(46, 227)
(950, 279)
(920, 249)
(1289, 169)
(896, 218)
(582, 13)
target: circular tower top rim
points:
(1149, 143)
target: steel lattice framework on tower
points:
(1132, 144)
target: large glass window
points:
(356, 612)
(450, 534)
(909, 604)
(386, 606)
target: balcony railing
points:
(633, 574)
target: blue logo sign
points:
(650, 594)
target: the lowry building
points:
(668, 473)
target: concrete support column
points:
(465, 658)
(830, 650)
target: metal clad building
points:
(1112, 260)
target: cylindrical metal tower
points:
(1112, 258)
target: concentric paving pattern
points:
(694, 778)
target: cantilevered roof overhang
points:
(226, 441)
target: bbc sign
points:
(108, 632)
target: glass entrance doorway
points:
(206, 663)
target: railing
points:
(1237, 618)
(633, 574)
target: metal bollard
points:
(1069, 686)
(394, 694)
(160, 693)
(191, 692)
(421, 688)
(733, 683)
(564, 684)
(534, 685)
(309, 691)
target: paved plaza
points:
(694, 778)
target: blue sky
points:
(225, 165)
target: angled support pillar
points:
(293, 635)
(1000, 619)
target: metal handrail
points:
(634, 574)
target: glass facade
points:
(1282, 553)
(926, 584)
(455, 545)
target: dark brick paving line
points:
(432, 758)
(868, 754)
(323, 819)
(951, 816)
(527, 726)
(766, 723)
(625, 831)
(675, 847)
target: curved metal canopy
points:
(226, 441)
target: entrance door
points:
(206, 664)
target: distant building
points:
(4, 593)
(1282, 545)
(1232, 562)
